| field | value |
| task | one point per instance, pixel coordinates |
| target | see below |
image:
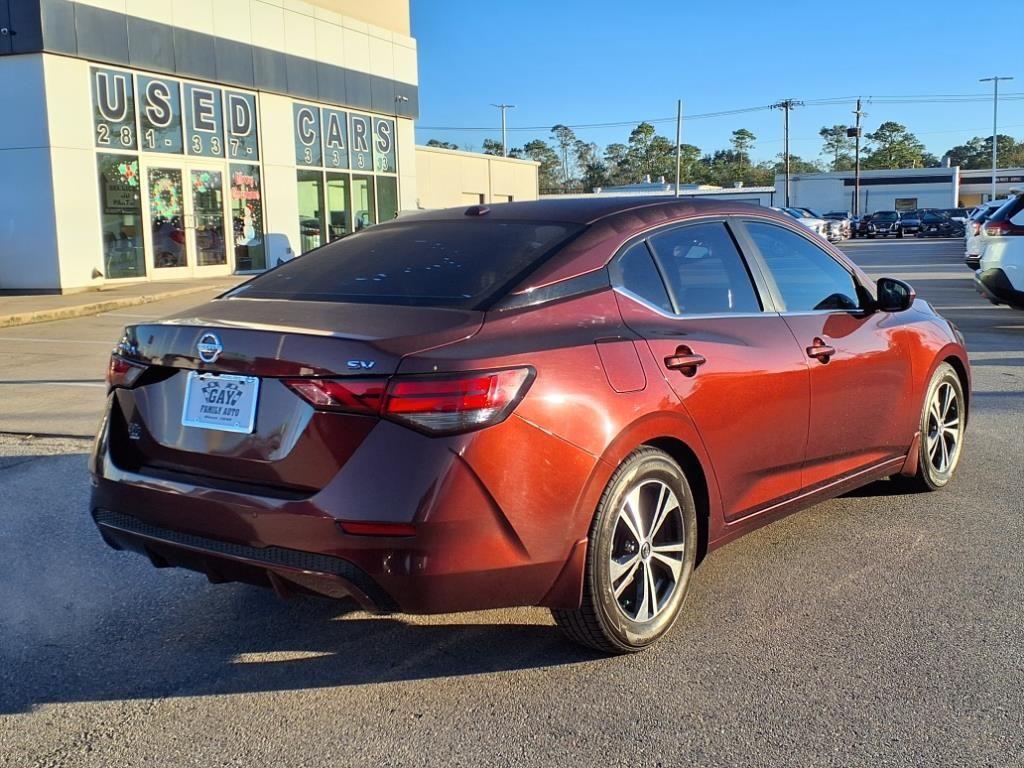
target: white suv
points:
(974, 234)
(1000, 276)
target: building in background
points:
(880, 190)
(447, 177)
(184, 138)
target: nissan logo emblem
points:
(209, 347)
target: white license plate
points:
(220, 401)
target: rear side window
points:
(635, 271)
(704, 270)
(807, 277)
(454, 264)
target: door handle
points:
(820, 351)
(685, 360)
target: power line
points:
(949, 98)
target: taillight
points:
(436, 404)
(351, 396)
(123, 373)
(975, 228)
(998, 228)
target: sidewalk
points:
(24, 310)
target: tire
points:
(899, 235)
(623, 557)
(938, 458)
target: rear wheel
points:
(640, 557)
(943, 422)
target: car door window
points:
(634, 271)
(704, 270)
(808, 278)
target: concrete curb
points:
(97, 307)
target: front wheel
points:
(943, 423)
(640, 556)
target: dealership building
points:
(198, 138)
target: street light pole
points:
(679, 138)
(504, 134)
(995, 125)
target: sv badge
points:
(360, 365)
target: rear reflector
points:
(436, 404)
(123, 373)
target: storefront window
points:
(208, 207)
(387, 198)
(165, 216)
(311, 207)
(363, 207)
(121, 214)
(339, 210)
(247, 218)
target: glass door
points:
(208, 234)
(187, 217)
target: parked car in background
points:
(814, 223)
(839, 222)
(959, 215)
(885, 224)
(1000, 274)
(974, 234)
(561, 403)
(938, 224)
(859, 225)
(910, 222)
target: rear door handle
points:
(820, 351)
(685, 360)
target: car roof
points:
(578, 210)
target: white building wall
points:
(830, 192)
(28, 235)
(281, 208)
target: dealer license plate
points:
(220, 401)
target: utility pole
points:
(856, 169)
(504, 134)
(785, 105)
(995, 125)
(679, 138)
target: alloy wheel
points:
(648, 546)
(945, 428)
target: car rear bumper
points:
(463, 550)
(994, 285)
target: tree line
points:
(570, 164)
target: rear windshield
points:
(885, 216)
(455, 264)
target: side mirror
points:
(894, 295)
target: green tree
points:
(977, 153)
(796, 165)
(442, 144)
(837, 145)
(650, 154)
(616, 160)
(594, 173)
(742, 142)
(894, 147)
(565, 140)
(541, 152)
(493, 147)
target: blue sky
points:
(602, 61)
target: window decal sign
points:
(362, 158)
(240, 111)
(160, 115)
(204, 121)
(335, 138)
(384, 145)
(113, 100)
(307, 134)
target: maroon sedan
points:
(558, 403)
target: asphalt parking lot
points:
(876, 629)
